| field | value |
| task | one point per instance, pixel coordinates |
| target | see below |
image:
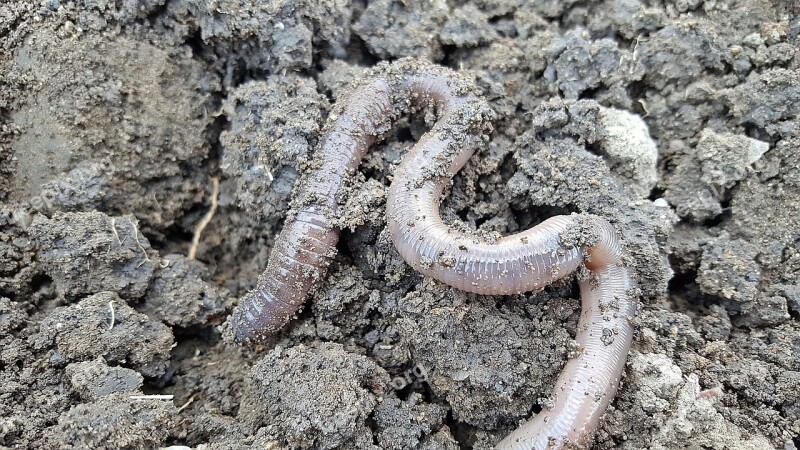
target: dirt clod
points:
(323, 395)
(103, 325)
(114, 422)
(86, 253)
(94, 379)
(180, 295)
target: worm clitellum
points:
(518, 263)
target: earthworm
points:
(518, 263)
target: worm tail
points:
(589, 382)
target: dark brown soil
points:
(116, 115)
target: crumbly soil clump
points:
(676, 121)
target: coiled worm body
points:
(522, 262)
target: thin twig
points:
(114, 229)
(152, 397)
(188, 402)
(113, 318)
(206, 219)
(139, 244)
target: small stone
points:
(631, 150)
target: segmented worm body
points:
(522, 262)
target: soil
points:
(678, 121)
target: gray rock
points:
(630, 149)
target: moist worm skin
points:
(518, 263)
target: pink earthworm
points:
(518, 263)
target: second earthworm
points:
(518, 263)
